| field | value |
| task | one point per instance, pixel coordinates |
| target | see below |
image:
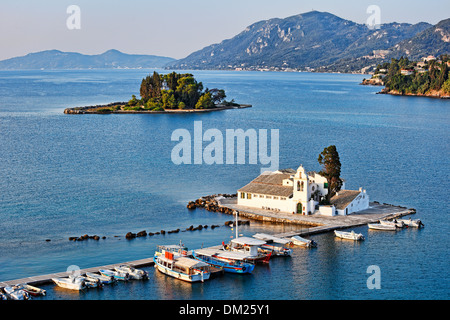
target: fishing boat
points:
(233, 262)
(103, 279)
(395, 223)
(16, 293)
(177, 249)
(123, 276)
(72, 283)
(249, 246)
(299, 241)
(182, 268)
(352, 235)
(277, 246)
(412, 223)
(133, 273)
(379, 226)
(32, 290)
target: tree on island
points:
(331, 170)
(175, 91)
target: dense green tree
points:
(331, 170)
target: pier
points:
(317, 223)
(47, 279)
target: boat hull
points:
(63, 283)
(182, 276)
(349, 235)
(382, 227)
(228, 267)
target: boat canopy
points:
(267, 237)
(189, 263)
(233, 255)
(248, 241)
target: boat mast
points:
(237, 223)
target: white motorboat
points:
(72, 283)
(16, 293)
(118, 275)
(182, 268)
(34, 291)
(91, 283)
(132, 272)
(299, 241)
(379, 226)
(352, 235)
(395, 223)
(277, 246)
(103, 279)
(412, 223)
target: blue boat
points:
(229, 261)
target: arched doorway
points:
(299, 208)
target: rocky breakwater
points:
(210, 203)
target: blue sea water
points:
(69, 175)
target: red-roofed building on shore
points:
(295, 191)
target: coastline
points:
(100, 109)
(433, 94)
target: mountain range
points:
(319, 41)
(312, 41)
(55, 59)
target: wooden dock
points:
(47, 279)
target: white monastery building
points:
(299, 192)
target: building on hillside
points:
(299, 192)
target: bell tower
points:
(301, 190)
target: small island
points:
(428, 77)
(169, 93)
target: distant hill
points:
(313, 40)
(432, 41)
(55, 59)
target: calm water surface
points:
(68, 175)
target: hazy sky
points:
(173, 28)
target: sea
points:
(65, 176)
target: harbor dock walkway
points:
(47, 279)
(316, 223)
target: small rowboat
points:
(132, 272)
(412, 223)
(349, 235)
(299, 241)
(116, 274)
(394, 223)
(16, 293)
(103, 279)
(32, 290)
(379, 226)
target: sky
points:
(173, 28)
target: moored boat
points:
(299, 241)
(352, 235)
(182, 268)
(133, 273)
(233, 262)
(34, 291)
(379, 226)
(123, 276)
(275, 245)
(16, 293)
(412, 223)
(3, 295)
(249, 246)
(72, 283)
(103, 279)
(395, 223)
